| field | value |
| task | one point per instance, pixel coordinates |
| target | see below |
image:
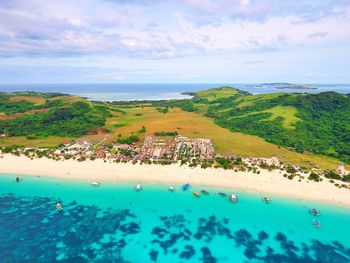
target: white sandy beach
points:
(265, 183)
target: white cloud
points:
(67, 28)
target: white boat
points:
(138, 187)
(314, 212)
(59, 207)
(316, 223)
(233, 198)
(266, 200)
(171, 188)
(95, 184)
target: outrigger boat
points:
(203, 191)
(266, 200)
(185, 187)
(95, 184)
(314, 212)
(233, 198)
(138, 187)
(196, 194)
(59, 207)
(316, 223)
(171, 189)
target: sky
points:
(184, 41)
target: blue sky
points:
(184, 41)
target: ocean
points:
(114, 223)
(127, 92)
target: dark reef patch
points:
(188, 252)
(207, 257)
(210, 227)
(153, 254)
(49, 234)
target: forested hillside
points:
(318, 123)
(37, 116)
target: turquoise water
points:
(113, 223)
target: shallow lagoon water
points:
(113, 223)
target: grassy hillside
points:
(217, 94)
(318, 123)
(198, 126)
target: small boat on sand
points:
(266, 200)
(95, 184)
(223, 194)
(196, 194)
(203, 191)
(186, 187)
(138, 187)
(233, 198)
(316, 223)
(314, 212)
(171, 189)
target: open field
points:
(69, 99)
(288, 113)
(40, 100)
(197, 126)
(251, 99)
(32, 99)
(42, 142)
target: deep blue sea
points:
(122, 92)
(113, 223)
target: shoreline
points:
(265, 183)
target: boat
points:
(138, 187)
(185, 187)
(233, 198)
(95, 184)
(203, 191)
(223, 194)
(171, 189)
(196, 194)
(266, 200)
(316, 223)
(59, 207)
(314, 212)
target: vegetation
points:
(215, 94)
(73, 121)
(163, 110)
(165, 133)
(332, 175)
(236, 121)
(314, 177)
(128, 140)
(317, 123)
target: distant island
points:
(285, 85)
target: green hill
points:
(318, 123)
(42, 115)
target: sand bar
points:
(265, 183)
